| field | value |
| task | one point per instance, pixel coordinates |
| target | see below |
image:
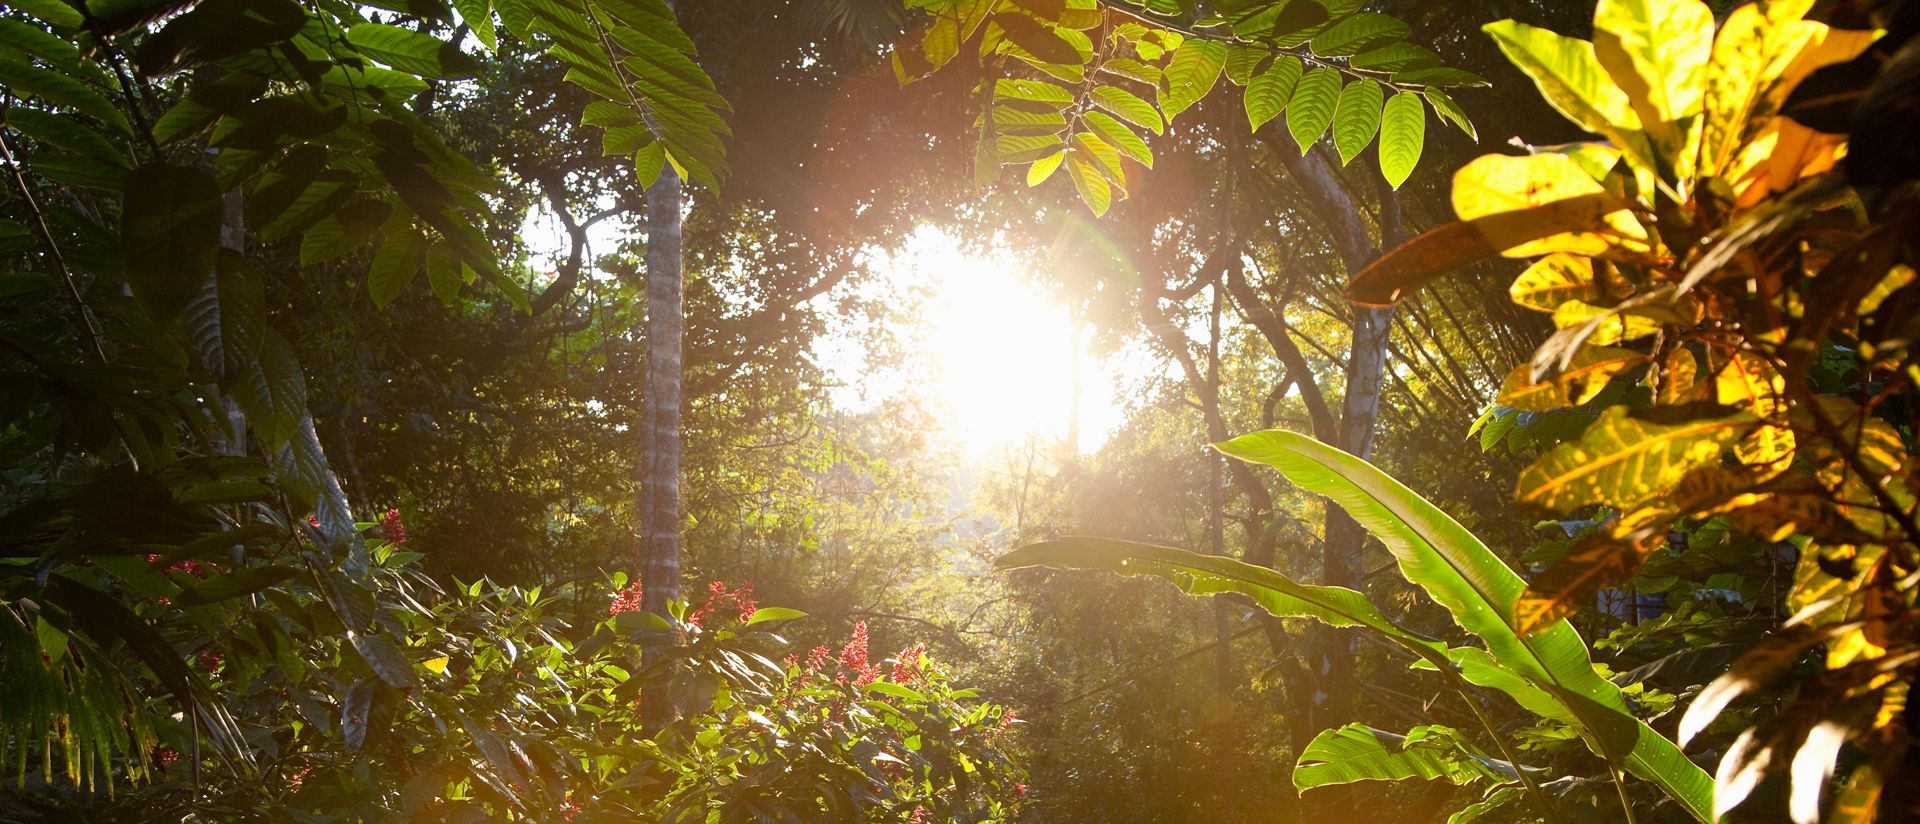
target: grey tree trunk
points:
(664, 445)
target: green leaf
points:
(1357, 752)
(66, 133)
(1089, 181)
(53, 12)
(1208, 574)
(1044, 168)
(27, 38)
(1395, 57)
(1356, 118)
(897, 691)
(169, 234)
(1451, 111)
(1042, 41)
(394, 266)
(233, 584)
(1358, 33)
(1403, 130)
(1114, 132)
(1195, 67)
(384, 657)
(478, 15)
(444, 272)
(1571, 79)
(23, 79)
(1462, 575)
(271, 391)
(1268, 92)
(1127, 106)
(412, 52)
(1310, 109)
(766, 614)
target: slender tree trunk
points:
(1341, 215)
(659, 488)
(1216, 496)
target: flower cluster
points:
(626, 600)
(1006, 720)
(190, 567)
(391, 529)
(719, 595)
(906, 667)
(853, 656)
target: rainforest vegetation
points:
(959, 410)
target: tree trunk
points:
(1340, 213)
(659, 488)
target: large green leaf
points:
(1268, 92)
(1572, 80)
(1403, 130)
(1311, 107)
(1191, 74)
(1208, 574)
(1356, 118)
(1127, 106)
(169, 234)
(411, 51)
(1458, 571)
(1360, 32)
(1357, 752)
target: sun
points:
(1002, 357)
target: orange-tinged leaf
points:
(1583, 378)
(1450, 246)
(1679, 379)
(1755, 45)
(1605, 559)
(1748, 382)
(1624, 461)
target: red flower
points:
(853, 656)
(906, 667)
(210, 659)
(1019, 790)
(392, 529)
(626, 600)
(818, 658)
(1006, 720)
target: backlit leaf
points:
(1310, 110)
(1656, 51)
(1403, 130)
(1127, 106)
(1583, 378)
(1191, 73)
(1451, 111)
(1622, 461)
(1268, 92)
(1356, 118)
(1359, 32)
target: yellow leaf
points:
(1496, 184)
(1624, 461)
(1749, 383)
(1554, 280)
(1613, 327)
(438, 665)
(1656, 51)
(1573, 82)
(1756, 44)
(1605, 559)
(1583, 378)
(1678, 378)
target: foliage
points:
(1063, 82)
(1549, 673)
(1742, 249)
